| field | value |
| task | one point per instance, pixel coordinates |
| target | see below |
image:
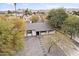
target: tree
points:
(15, 7)
(11, 35)
(56, 18)
(28, 12)
(71, 25)
(34, 18)
(75, 13)
(9, 12)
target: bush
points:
(11, 36)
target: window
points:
(43, 31)
(29, 31)
(51, 31)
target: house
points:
(35, 29)
(27, 18)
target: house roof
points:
(38, 27)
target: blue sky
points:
(10, 6)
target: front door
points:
(37, 33)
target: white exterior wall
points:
(29, 34)
(51, 32)
(34, 33)
(43, 33)
(47, 32)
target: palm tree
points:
(15, 7)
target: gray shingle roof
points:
(38, 26)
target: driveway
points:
(32, 47)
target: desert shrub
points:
(11, 36)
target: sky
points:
(36, 6)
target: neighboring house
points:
(19, 14)
(27, 18)
(3, 12)
(34, 29)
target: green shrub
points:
(11, 36)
